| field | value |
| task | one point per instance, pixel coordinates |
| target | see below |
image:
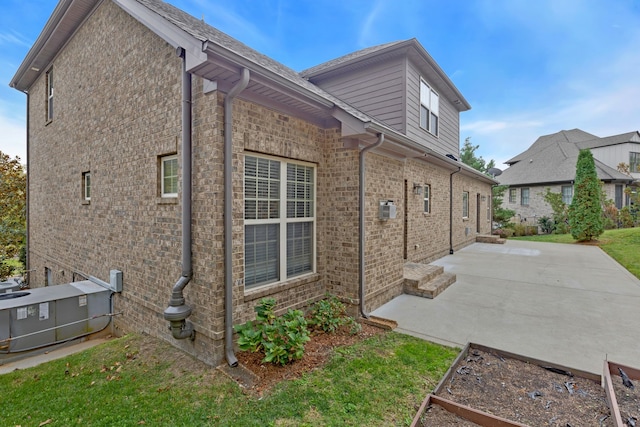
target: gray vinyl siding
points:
(447, 141)
(378, 90)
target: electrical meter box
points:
(387, 210)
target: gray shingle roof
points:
(552, 159)
(611, 140)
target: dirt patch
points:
(436, 415)
(526, 393)
(316, 354)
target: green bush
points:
(330, 314)
(546, 224)
(585, 212)
(281, 339)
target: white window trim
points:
(427, 199)
(283, 220)
(50, 89)
(465, 205)
(163, 159)
(429, 108)
(86, 186)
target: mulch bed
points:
(525, 393)
(628, 400)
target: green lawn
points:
(622, 244)
(378, 382)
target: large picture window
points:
(429, 108)
(279, 213)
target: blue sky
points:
(528, 68)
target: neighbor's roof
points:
(623, 138)
(551, 159)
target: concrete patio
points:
(564, 303)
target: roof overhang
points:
(65, 20)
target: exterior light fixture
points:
(417, 189)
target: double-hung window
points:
(524, 196)
(50, 94)
(279, 213)
(512, 195)
(465, 204)
(567, 194)
(427, 198)
(169, 176)
(429, 108)
(86, 186)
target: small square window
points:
(427, 198)
(86, 186)
(169, 176)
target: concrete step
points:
(432, 288)
(488, 238)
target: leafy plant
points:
(500, 215)
(559, 208)
(280, 338)
(546, 224)
(330, 314)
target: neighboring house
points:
(217, 177)
(551, 163)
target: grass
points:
(379, 381)
(622, 244)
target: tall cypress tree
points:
(585, 211)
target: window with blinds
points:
(279, 214)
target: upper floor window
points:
(465, 204)
(512, 195)
(427, 198)
(169, 176)
(279, 212)
(634, 162)
(524, 196)
(86, 186)
(567, 194)
(50, 94)
(429, 108)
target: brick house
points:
(550, 162)
(211, 175)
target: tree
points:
(585, 211)
(559, 208)
(13, 215)
(468, 157)
(501, 216)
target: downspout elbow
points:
(228, 214)
(361, 255)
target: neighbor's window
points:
(279, 213)
(169, 176)
(427, 196)
(512, 195)
(524, 196)
(567, 194)
(465, 204)
(634, 162)
(429, 108)
(86, 186)
(50, 94)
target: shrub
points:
(330, 314)
(281, 339)
(546, 224)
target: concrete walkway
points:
(568, 304)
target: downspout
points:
(451, 210)
(362, 179)
(178, 311)
(228, 215)
(28, 257)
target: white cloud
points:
(13, 138)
